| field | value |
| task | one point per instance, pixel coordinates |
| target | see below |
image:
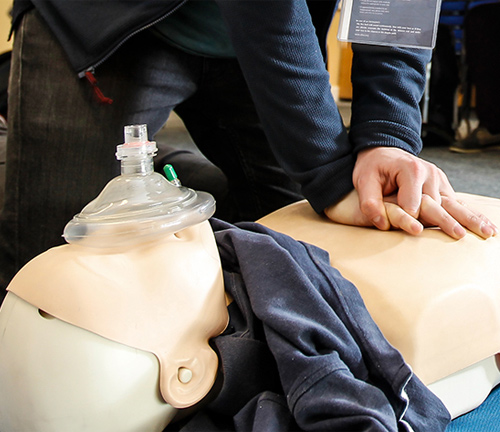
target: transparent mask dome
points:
(138, 205)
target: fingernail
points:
(379, 222)
(459, 231)
(487, 230)
(416, 227)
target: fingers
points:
(371, 203)
(469, 218)
(453, 216)
(450, 214)
(421, 177)
(411, 182)
(425, 197)
(399, 219)
(380, 172)
(433, 214)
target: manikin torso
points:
(110, 332)
(434, 298)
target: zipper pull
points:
(97, 91)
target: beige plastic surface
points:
(55, 377)
(435, 299)
(165, 297)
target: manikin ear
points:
(190, 378)
(186, 234)
(203, 234)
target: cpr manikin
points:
(110, 331)
(437, 300)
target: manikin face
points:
(159, 302)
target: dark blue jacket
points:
(276, 42)
(301, 351)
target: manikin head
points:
(110, 332)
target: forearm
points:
(279, 53)
(388, 84)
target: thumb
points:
(372, 205)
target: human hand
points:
(348, 212)
(396, 189)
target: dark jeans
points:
(61, 142)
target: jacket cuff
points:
(385, 134)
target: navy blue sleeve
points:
(277, 47)
(388, 84)
(279, 53)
